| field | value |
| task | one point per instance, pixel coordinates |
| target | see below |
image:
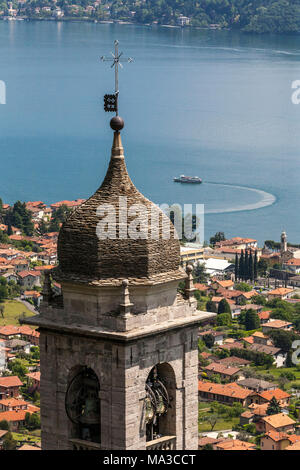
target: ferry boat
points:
(188, 179)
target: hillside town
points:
(23, 262)
(99, 10)
(262, 17)
(249, 374)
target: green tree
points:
(3, 289)
(207, 447)
(252, 321)
(9, 443)
(209, 340)
(20, 217)
(211, 306)
(243, 286)
(224, 319)
(218, 237)
(251, 267)
(4, 425)
(199, 273)
(241, 265)
(283, 339)
(18, 367)
(259, 300)
(212, 419)
(255, 267)
(262, 267)
(273, 407)
(236, 267)
(32, 421)
(246, 266)
(224, 307)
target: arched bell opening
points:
(160, 402)
(82, 405)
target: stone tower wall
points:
(122, 369)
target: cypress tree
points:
(255, 266)
(246, 266)
(9, 229)
(252, 321)
(236, 267)
(224, 307)
(251, 267)
(241, 266)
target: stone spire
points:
(84, 256)
(47, 290)
(126, 305)
(189, 283)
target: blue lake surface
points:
(215, 104)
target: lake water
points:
(215, 104)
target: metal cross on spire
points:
(111, 101)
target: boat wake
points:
(266, 199)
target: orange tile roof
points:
(217, 299)
(34, 375)
(10, 381)
(247, 414)
(277, 436)
(259, 334)
(228, 250)
(201, 286)
(250, 294)
(279, 420)
(294, 437)
(226, 283)
(295, 446)
(234, 360)
(28, 447)
(9, 330)
(32, 408)
(277, 393)
(23, 274)
(75, 203)
(205, 354)
(235, 444)
(222, 369)
(277, 324)
(293, 262)
(43, 268)
(15, 415)
(248, 339)
(264, 315)
(230, 390)
(26, 330)
(12, 402)
(280, 291)
(259, 410)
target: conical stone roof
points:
(85, 257)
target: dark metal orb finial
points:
(116, 123)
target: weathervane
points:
(111, 101)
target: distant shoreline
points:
(148, 25)
(117, 22)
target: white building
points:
(217, 266)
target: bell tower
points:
(119, 357)
(283, 243)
